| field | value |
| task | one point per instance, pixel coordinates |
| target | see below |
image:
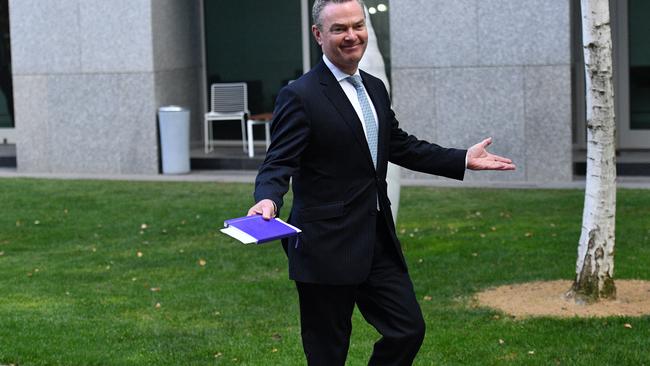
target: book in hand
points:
(254, 229)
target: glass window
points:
(258, 42)
(6, 90)
(639, 13)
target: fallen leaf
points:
(37, 222)
(482, 235)
(276, 336)
(531, 352)
(428, 298)
(628, 325)
(2, 253)
(218, 354)
(143, 226)
(528, 235)
(501, 341)
(202, 262)
(158, 305)
(139, 254)
(274, 350)
(493, 228)
(155, 289)
(420, 260)
(474, 254)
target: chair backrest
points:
(229, 97)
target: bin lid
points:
(171, 108)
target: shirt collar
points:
(338, 73)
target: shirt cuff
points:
(275, 207)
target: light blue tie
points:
(368, 117)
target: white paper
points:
(239, 235)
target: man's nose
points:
(350, 34)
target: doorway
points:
(633, 74)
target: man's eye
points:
(337, 30)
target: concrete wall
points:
(463, 70)
(89, 76)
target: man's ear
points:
(317, 35)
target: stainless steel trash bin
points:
(174, 126)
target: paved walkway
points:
(247, 176)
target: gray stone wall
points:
(89, 76)
(177, 58)
(463, 70)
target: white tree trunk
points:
(595, 264)
(372, 62)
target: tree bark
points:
(595, 264)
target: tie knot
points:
(356, 81)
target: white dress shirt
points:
(351, 92)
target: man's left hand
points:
(478, 158)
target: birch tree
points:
(595, 265)
(373, 63)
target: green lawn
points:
(74, 289)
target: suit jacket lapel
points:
(340, 101)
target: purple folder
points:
(254, 229)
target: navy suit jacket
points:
(317, 140)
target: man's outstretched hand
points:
(478, 158)
(265, 207)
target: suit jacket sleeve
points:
(289, 137)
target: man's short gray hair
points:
(319, 5)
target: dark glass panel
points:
(639, 15)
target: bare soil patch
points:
(547, 299)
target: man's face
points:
(343, 37)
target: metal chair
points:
(228, 102)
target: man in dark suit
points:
(333, 136)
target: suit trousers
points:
(385, 299)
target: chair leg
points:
(205, 136)
(243, 134)
(211, 135)
(251, 149)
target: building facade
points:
(89, 75)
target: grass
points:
(75, 291)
